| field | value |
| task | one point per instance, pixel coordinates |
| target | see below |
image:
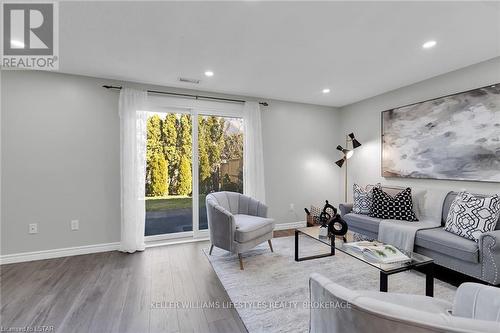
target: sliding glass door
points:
(220, 158)
(169, 181)
(189, 155)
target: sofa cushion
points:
(471, 216)
(447, 243)
(362, 200)
(364, 222)
(399, 207)
(450, 197)
(251, 227)
(418, 196)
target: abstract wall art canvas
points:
(455, 137)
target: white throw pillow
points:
(362, 200)
(470, 216)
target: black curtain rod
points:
(188, 95)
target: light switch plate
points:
(75, 225)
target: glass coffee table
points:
(425, 264)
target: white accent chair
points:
(237, 223)
(476, 308)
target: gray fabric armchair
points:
(476, 308)
(237, 223)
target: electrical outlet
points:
(75, 225)
(292, 207)
(33, 228)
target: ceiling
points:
(287, 51)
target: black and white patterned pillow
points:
(387, 207)
(362, 200)
(470, 216)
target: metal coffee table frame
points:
(425, 264)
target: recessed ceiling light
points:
(209, 73)
(326, 91)
(429, 44)
(16, 44)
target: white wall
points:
(60, 160)
(364, 119)
(299, 151)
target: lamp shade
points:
(347, 153)
(355, 143)
(340, 162)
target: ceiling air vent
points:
(193, 81)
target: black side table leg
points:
(296, 245)
(383, 281)
(429, 280)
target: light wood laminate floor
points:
(117, 292)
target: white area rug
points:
(270, 292)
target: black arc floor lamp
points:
(347, 155)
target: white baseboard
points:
(87, 249)
(290, 225)
(57, 253)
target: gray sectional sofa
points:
(477, 259)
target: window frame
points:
(168, 104)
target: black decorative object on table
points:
(332, 225)
(325, 217)
(337, 227)
(328, 208)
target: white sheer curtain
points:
(253, 160)
(133, 138)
